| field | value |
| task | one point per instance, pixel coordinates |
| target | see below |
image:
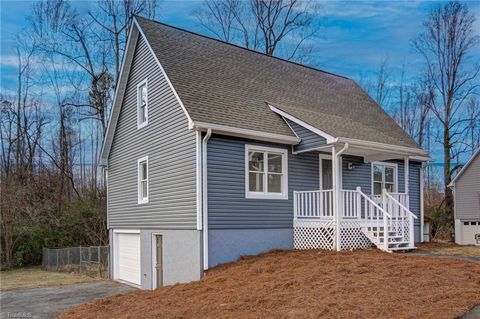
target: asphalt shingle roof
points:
(224, 84)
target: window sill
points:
(143, 201)
(139, 126)
(266, 196)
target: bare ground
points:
(309, 284)
(449, 249)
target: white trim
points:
(205, 198)
(198, 163)
(406, 181)
(265, 194)
(129, 51)
(394, 149)
(464, 168)
(318, 148)
(164, 73)
(328, 137)
(320, 168)
(139, 98)
(154, 258)
(422, 212)
(246, 133)
(395, 183)
(126, 231)
(142, 200)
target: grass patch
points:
(450, 249)
(35, 277)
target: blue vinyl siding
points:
(227, 205)
(309, 139)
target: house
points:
(214, 151)
(466, 192)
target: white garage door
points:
(469, 230)
(128, 261)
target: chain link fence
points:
(91, 260)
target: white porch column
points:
(406, 169)
(337, 208)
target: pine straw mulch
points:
(308, 284)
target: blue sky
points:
(355, 37)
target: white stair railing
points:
(402, 218)
(376, 221)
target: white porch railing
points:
(350, 204)
(384, 219)
(313, 204)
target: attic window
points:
(142, 104)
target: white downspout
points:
(406, 168)
(336, 193)
(205, 198)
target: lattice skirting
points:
(352, 236)
(314, 235)
(321, 235)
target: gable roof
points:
(232, 89)
(224, 84)
(465, 167)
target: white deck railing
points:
(313, 204)
(350, 204)
(379, 216)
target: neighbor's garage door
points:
(469, 230)
(128, 261)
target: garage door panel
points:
(129, 257)
(468, 231)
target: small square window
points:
(465, 223)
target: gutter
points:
(205, 198)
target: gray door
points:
(327, 178)
(159, 261)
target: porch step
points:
(402, 248)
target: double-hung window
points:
(266, 172)
(384, 177)
(143, 180)
(142, 104)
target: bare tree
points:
(448, 38)
(274, 27)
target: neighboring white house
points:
(466, 187)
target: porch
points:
(363, 220)
(343, 215)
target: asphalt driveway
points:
(48, 302)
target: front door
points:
(159, 261)
(326, 176)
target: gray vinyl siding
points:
(309, 139)
(229, 209)
(361, 175)
(227, 206)
(170, 147)
(467, 192)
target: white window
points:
(143, 180)
(384, 176)
(142, 104)
(266, 172)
